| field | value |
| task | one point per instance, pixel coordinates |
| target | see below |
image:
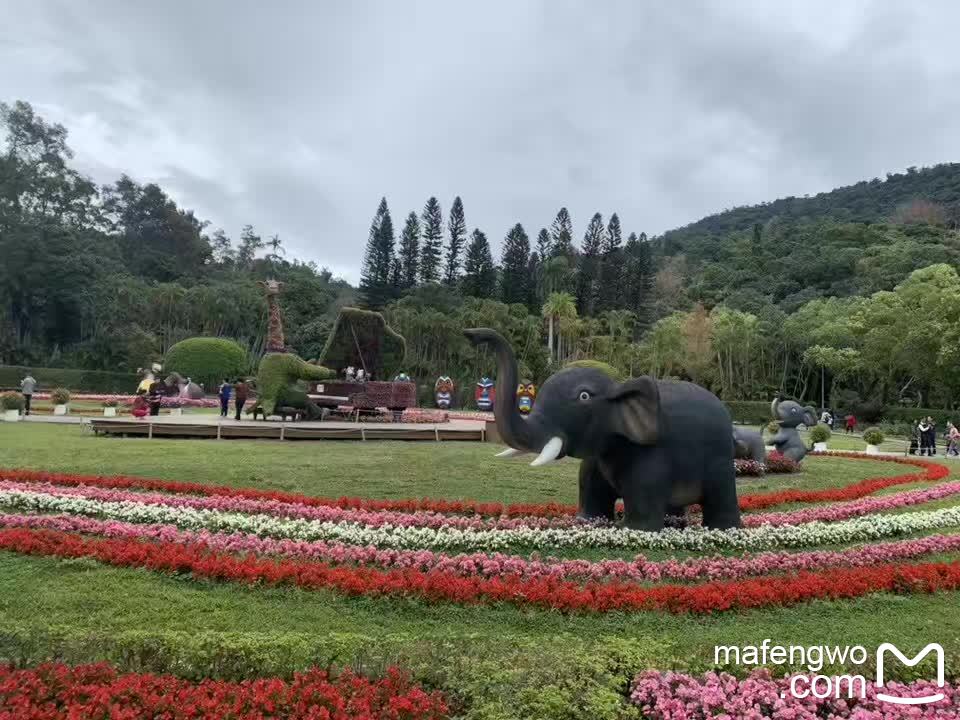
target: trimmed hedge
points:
(749, 412)
(78, 381)
(206, 360)
(603, 367)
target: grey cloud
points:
(298, 117)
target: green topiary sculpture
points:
(603, 367)
(277, 378)
(207, 360)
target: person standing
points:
(851, 423)
(155, 397)
(927, 441)
(224, 393)
(953, 438)
(240, 395)
(27, 387)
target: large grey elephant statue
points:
(789, 414)
(748, 445)
(659, 445)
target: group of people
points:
(149, 397)
(828, 418)
(239, 389)
(924, 440)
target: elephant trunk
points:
(516, 431)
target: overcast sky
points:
(297, 117)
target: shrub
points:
(90, 381)
(894, 415)
(60, 396)
(773, 427)
(11, 401)
(819, 433)
(206, 360)
(777, 463)
(873, 436)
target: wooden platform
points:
(218, 428)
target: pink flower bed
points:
(126, 400)
(716, 696)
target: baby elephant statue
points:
(748, 445)
(788, 414)
(659, 445)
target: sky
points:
(297, 117)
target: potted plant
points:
(873, 437)
(60, 399)
(12, 404)
(819, 434)
(110, 408)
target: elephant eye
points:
(584, 395)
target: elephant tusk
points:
(551, 451)
(509, 453)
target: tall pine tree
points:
(588, 270)
(610, 288)
(639, 272)
(514, 279)
(561, 232)
(544, 244)
(479, 274)
(410, 252)
(432, 244)
(376, 288)
(457, 226)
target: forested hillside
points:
(850, 293)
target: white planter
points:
(873, 450)
(176, 411)
(11, 415)
(109, 412)
(59, 409)
(820, 447)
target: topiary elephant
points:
(788, 415)
(277, 379)
(184, 388)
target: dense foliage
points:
(109, 278)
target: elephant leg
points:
(721, 510)
(646, 495)
(597, 498)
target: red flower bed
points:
(931, 473)
(99, 692)
(833, 583)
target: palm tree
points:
(559, 306)
(619, 322)
(554, 275)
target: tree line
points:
(600, 275)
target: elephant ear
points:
(635, 410)
(810, 414)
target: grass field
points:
(495, 661)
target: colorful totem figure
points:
(485, 394)
(526, 394)
(443, 392)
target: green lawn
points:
(495, 662)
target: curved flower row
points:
(859, 529)
(389, 518)
(368, 518)
(931, 473)
(836, 583)
(672, 696)
(56, 691)
(497, 564)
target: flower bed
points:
(439, 551)
(676, 696)
(55, 691)
(127, 400)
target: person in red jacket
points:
(851, 424)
